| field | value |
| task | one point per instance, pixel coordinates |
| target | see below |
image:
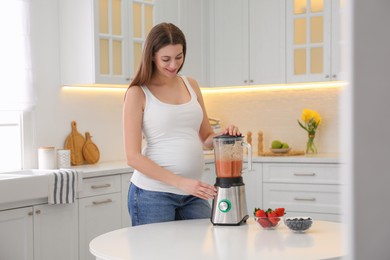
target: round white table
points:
(199, 239)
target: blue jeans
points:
(147, 207)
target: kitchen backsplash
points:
(275, 113)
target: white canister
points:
(63, 158)
(46, 158)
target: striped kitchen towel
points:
(63, 185)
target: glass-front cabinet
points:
(101, 40)
(313, 40)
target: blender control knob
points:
(224, 205)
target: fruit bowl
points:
(298, 224)
(269, 223)
(280, 150)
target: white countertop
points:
(118, 167)
(199, 239)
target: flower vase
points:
(310, 146)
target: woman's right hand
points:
(197, 188)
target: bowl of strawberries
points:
(269, 219)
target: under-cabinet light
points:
(232, 89)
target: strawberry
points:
(279, 212)
(260, 213)
(273, 218)
(264, 222)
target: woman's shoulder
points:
(193, 83)
(134, 92)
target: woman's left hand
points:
(232, 130)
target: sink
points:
(24, 185)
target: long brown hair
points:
(160, 35)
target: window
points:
(10, 141)
(16, 89)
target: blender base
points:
(229, 206)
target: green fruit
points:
(285, 145)
(276, 144)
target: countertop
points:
(199, 239)
(119, 167)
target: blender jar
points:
(229, 153)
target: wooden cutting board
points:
(90, 150)
(75, 142)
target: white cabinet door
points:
(313, 40)
(97, 215)
(125, 182)
(56, 232)
(247, 42)
(229, 38)
(267, 41)
(209, 175)
(253, 188)
(192, 18)
(16, 234)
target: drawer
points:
(301, 173)
(100, 185)
(303, 197)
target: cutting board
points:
(75, 142)
(90, 150)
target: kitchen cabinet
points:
(308, 189)
(314, 40)
(99, 210)
(193, 19)
(247, 42)
(253, 187)
(125, 183)
(101, 41)
(41, 232)
(209, 176)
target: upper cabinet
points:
(247, 42)
(100, 40)
(313, 40)
(192, 17)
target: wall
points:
(275, 113)
(370, 126)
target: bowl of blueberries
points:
(298, 224)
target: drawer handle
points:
(102, 202)
(304, 174)
(305, 199)
(101, 186)
(207, 169)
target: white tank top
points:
(172, 140)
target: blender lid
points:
(227, 136)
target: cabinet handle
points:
(304, 174)
(38, 212)
(102, 202)
(251, 81)
(305, 199)
(334, 76)
(101, 186)
(207, 169)
(30, 213)
(245, 81)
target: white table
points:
(199, 239)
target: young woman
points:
(168, 110)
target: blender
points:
(229, 205)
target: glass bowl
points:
(298, 224)
(269, 223)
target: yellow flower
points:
(311, 120)
(309, 114)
